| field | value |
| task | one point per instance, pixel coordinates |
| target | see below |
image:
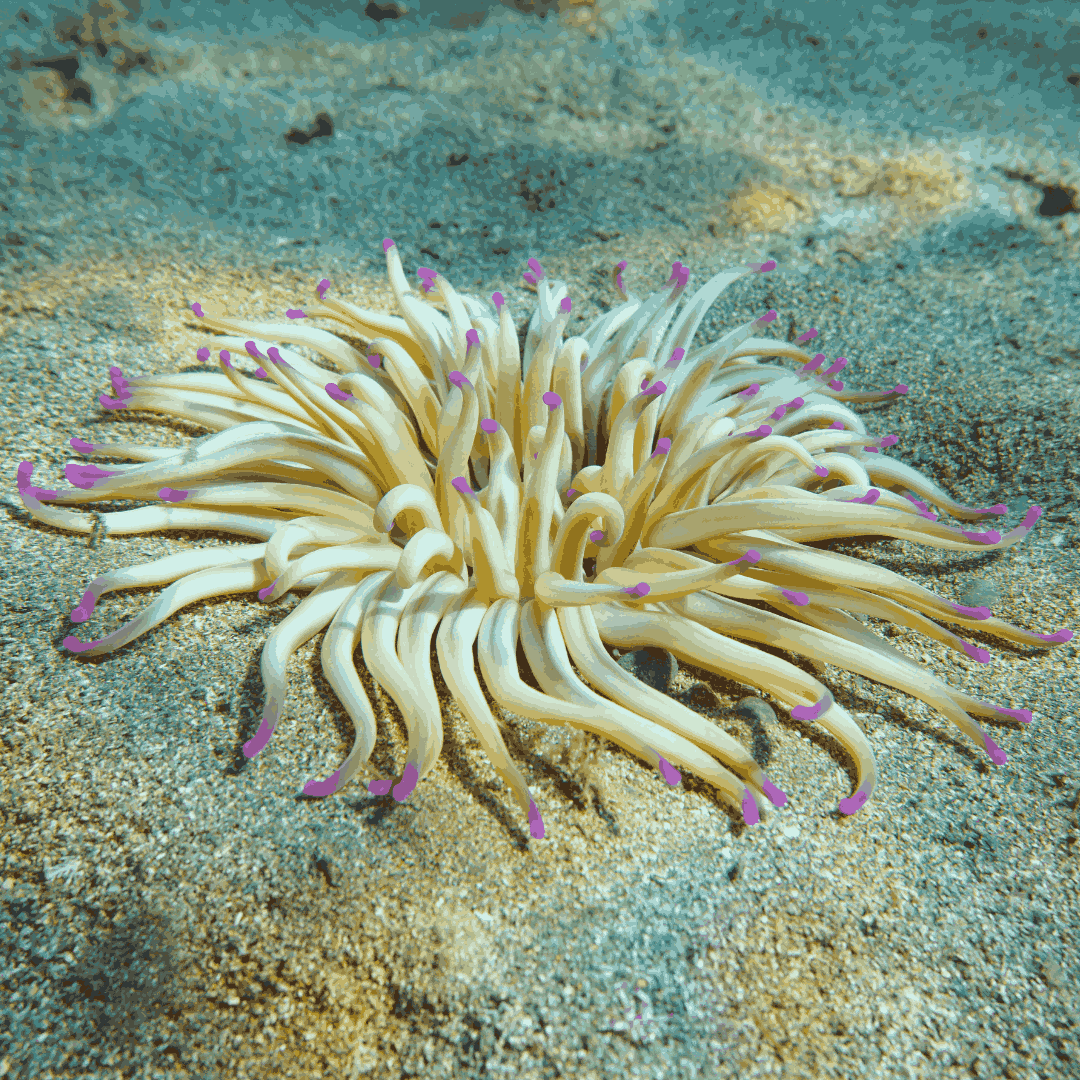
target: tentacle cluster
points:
(620, 487)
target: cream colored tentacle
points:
(338, 649)
(807, 698)
(454, 644)
(599, 669)
(303, 622)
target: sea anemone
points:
(620, 488)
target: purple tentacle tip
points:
(264, 593)
(379, 787)
(975, 652)
(259, 739)
(275, 355)
(812, 712)
(408, 782)
(997, 755)
(387, 244)
(750, 812)
(536, 268)
(322, 287)
(1058, 637)
(81, 445)
(565, 304)
(536, 822)
(85, 608)
(203, 355)
(498, 300)
(1023, 715)
(972, 612)
(596, 536)
(173, 494)
(855, 802)
(669, 772)
(85, 476)
(472, 338)
(551, 400)
(1033, 515)
(197, 308)
(662, 447)
(75, 645)
(260, 373)
(991, 537)
(109, 403)
(295, 313)
(489, 427)
(799, 599)
(462, 485)
(750, 556)
(773, 793)
(336, 392)
(318, 789)
(821, 470)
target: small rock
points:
(655, 667)
(756, 709)
(699, 696)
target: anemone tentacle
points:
(621, 487)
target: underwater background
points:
(168, 909)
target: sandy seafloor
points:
(172, 910)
